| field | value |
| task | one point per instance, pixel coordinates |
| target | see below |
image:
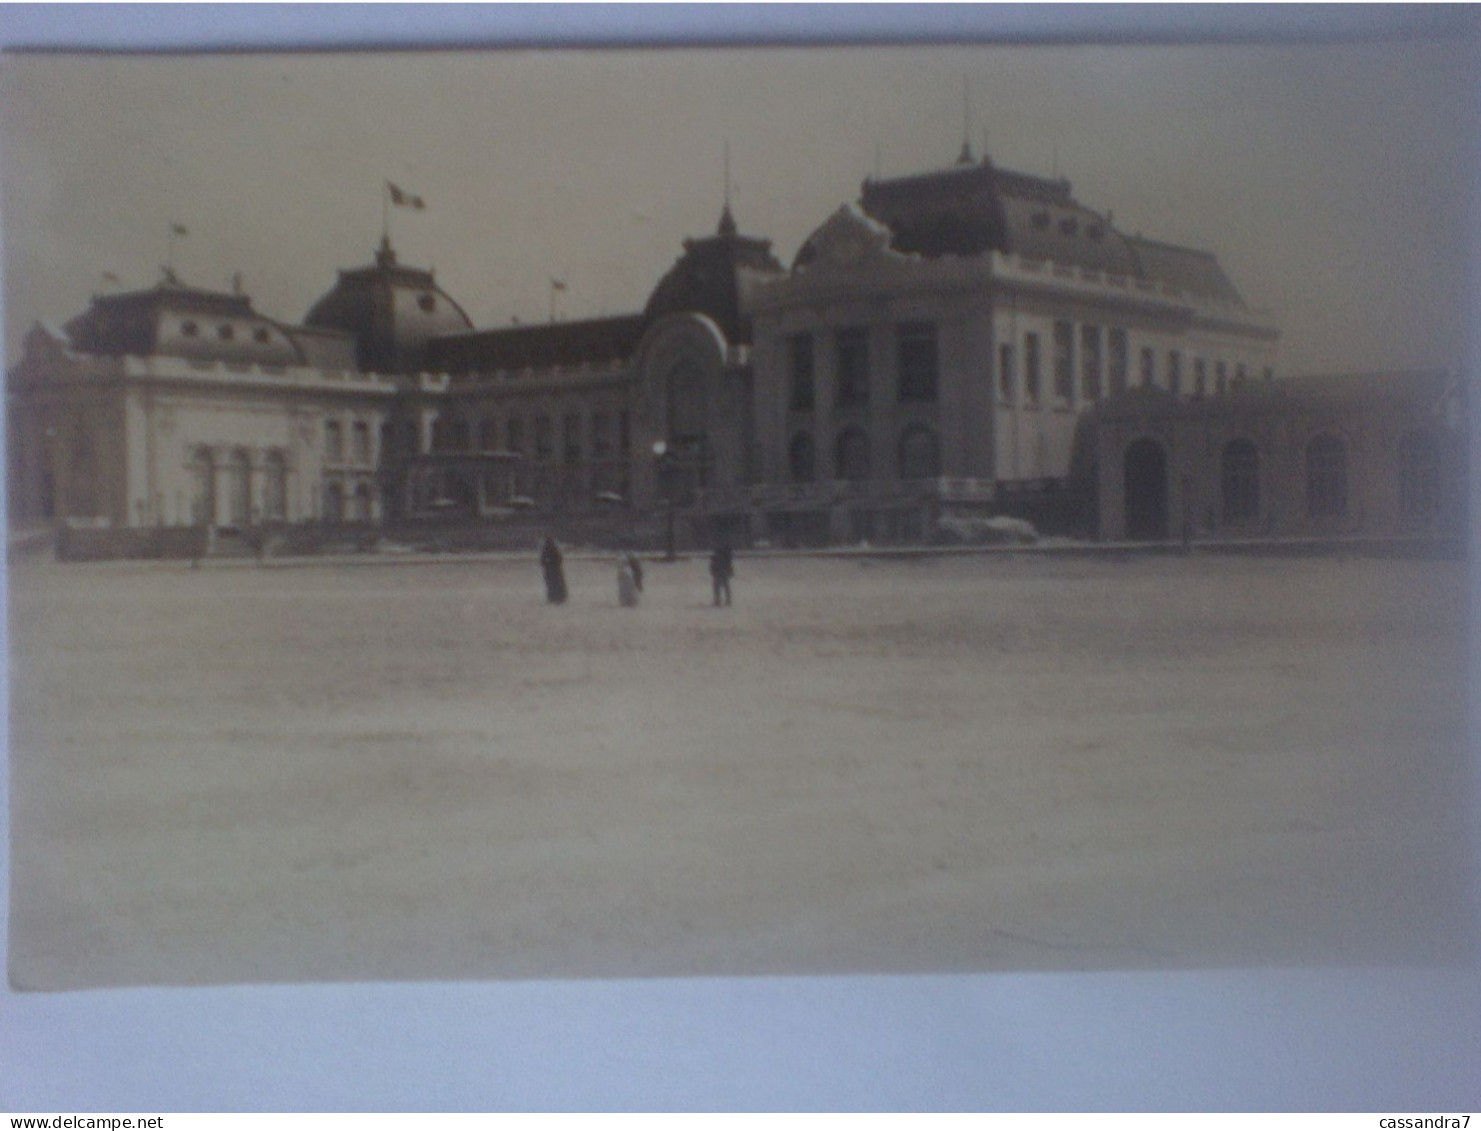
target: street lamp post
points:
(664, 462)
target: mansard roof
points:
(712, 276)
(595, 341)
(971, 209)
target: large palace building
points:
(971, 341)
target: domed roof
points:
(173, 319)
(712, 276)
(392, 312)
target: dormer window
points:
(427, 302)
(1095, 232)
(1040, 220)
(226, 333)
(260, 335)
(189, 329)
(1068, 226)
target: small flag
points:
(180, 229)
(403, 199)
(557, 285)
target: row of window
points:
(1104, 364)
(334, 442)
(1326, 478)
(606, 435)
(226, 331)
(917, 455)
(917, 366)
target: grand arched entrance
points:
(1146, 491)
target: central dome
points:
(391, 311)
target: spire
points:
(727, 221)
(965, 156)
(386, 256)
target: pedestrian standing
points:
(627, 584)
(722, 569)
(552, 565)
(636, 567)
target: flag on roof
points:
(403, 199)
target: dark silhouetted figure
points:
(627, 582)
(722, 569)
(636, 567)
(552, 566)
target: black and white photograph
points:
(508, 515)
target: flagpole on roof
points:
(175, 230)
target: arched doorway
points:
(1146, 491)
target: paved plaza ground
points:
(984, 762)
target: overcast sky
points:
(1333, 182)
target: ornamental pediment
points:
(848, 240)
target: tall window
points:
(1005, 373)
(334, 441)
(1419, 476)
(918, 361)
(514, 435)
(800, 365)
(801, 458)
(571, 435)
(1174, 372)
(1149, 368)
(1221, 378)
(360, 442)
(1090, 363)
(1326, 477)
(334, 501)
(203, 488)
(361, 509)
(544, 441)
(1117, 347)
(1031, 370)
(1240, 475)
(1200, 377)
(624, 433)
(920, 453)
(488, 434)
(274, 486)
(851, 348)
(601, 435)
(851, 459)
(239, 488)
(1064, 362)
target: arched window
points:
(1240, 478)
(851, 455)
(801, 458)
(684, 389)
(239, 488)
(202, 488)
(920, 453)
(274, 487)
(1419, 476)
(1326, 477)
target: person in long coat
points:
(628, 586)
(722, 569)
(553, 567)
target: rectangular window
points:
(800, 365)
(918, 361)
(1090, 363)
(601, 439)
(571, 429)
(1031, 370)
(1116, 344)
(1221, 378)
(1239, 375)
(1005, 373)
(334, 441)
(514, 435)
(1174, 372)
(360, 442)
(1149, 368)
(624, 433)
(851, 348)
(1064, 362)
(1200, 377)
(544, 441)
